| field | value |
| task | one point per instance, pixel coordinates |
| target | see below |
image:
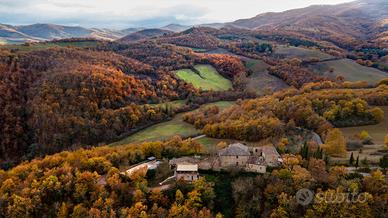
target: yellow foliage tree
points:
(335, 144)
(364, 135)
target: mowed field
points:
(168, 129)
(377, 132)
(260, 80)
(206, 78)
(298, 52)
(350, 70)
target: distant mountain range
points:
(44, 32)
(365, 20)
(344, 24)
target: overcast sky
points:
(135, 13)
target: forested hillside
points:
(309, 108)
(60, 97)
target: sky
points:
(141, 13)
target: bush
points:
(366, 138)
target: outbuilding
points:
(187, 172)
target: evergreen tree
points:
(351, 160)
(384, 162)
(304, 151)
(358, 156)
(318, 154)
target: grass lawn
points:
(377, 132)
(168, 129)
(209, 142)
(162, 131)
(207, 79)
(299, 52)
(260, 80)
(350, 70)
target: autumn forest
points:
(76, 113)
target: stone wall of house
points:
(187, 176)
(233, 161)
(255, 151)
(272, 160)
(256, 168)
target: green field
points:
(260, 80)
(302, 53)
(207, 78)
(168, 129)
(350, 70)
(46, 45)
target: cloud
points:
(149, 13)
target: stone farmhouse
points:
(253, 159)
(235, 156)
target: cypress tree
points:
(358, 156)
(351, 160)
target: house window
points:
(256, 150)
(236, 163)
(236, 157)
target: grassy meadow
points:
(207, 78)
(299, 52)
(260, 80)
(350, 70)
(168, 129)
(377, 132)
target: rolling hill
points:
(344, 24)
(175, 27)
(43, 32)
(145, 34)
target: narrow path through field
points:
(198, 137)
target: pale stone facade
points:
(252, 159)
(187, 172)
(256, 168)
(235, 155)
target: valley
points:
(260, 117)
